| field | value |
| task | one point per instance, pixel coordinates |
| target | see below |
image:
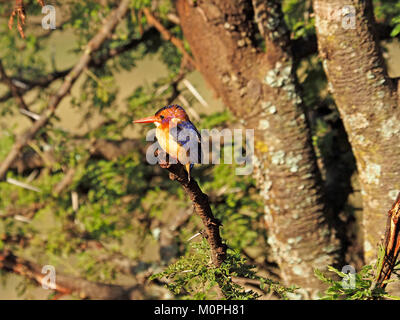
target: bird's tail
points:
(188, 167)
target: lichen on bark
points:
(261, 89)
(368, 104)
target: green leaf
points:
(395, 31)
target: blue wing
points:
(186, 134)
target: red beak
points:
(146, 120)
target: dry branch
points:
(65, 284)
(391, 244)
(93, 45)
(19, 11)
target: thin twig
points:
(20, 218)
(173, 18)
(194, 236)
(22, 185)
(30, 114)
(75, 201)
(195, 93)
(19, 11)
(189, 108)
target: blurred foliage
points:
(123, 202)
(298, 18)
(388, 12)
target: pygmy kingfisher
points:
(176, 135)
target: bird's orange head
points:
(167, 114)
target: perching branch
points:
(202, 209)
(93, 45)
(391, 244)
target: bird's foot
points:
(162, 159)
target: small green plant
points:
(356, 286)
(194, 277)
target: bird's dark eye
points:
(162, 117)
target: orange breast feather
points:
(169, 144)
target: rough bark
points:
(261, 90)
(367, 101)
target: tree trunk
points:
(261, 89)
(367, 102)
